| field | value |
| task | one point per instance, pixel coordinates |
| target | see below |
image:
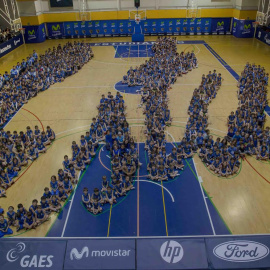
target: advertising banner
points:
(243, 28)
(10, 45)
(220, 26)
(171, 254)
(100, 254)
(26, 254)
(55, 30)
(238, 252)
(263, 36)
(35, 34)
(69, 29)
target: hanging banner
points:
(35, 33)
(55, 30)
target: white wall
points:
(247, 4)
(42, 6)
(27, 8)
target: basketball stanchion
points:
(22, 30)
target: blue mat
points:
(126, 51)
(146, 211)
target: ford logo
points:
(241, 251)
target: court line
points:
(164, 209)
(115, 51)
(85, 86)
(196, 175)
(99, 158)
(154, 237)
(257, 171)
(109, 225)
(71, 130)
(152, 182)
(207, 209)
(138, 197)
(36, 117)
(66, 221)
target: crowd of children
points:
(16, 149)
(25, 81)
(246, 134)
(38, 73)
(156, 76)
(112, 127)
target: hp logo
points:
(171, 251)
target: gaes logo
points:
(241, 251)
(171, 251)
(28, 261)
(220, 23)
(247, 26)
(74, 253)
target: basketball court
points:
(195, 203)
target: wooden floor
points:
(68, 108)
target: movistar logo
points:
(220, 23)
(74, 253)
(31, 32)
(56, 27)
(247, 26)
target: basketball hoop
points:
(137, 19)
(22, 30)
(255, 24)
